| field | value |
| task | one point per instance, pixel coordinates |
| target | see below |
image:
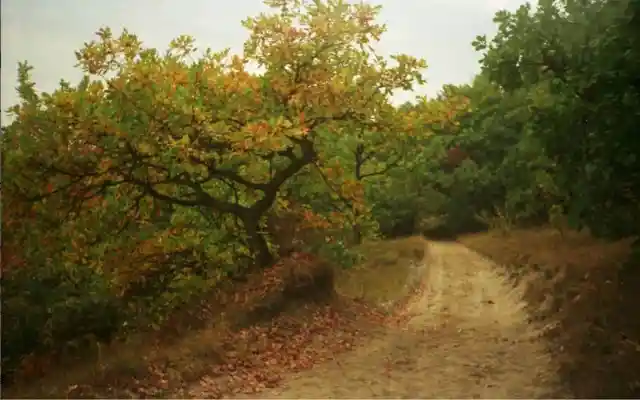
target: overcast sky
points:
(46, 32)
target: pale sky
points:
(47, 32)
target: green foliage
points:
(52, 305)
(577, 63)
(550, 125)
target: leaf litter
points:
(260, 356)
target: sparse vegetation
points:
(171, 208)
(391, 270)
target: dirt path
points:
(468, 337)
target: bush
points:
(54, 309)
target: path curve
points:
(468, 337)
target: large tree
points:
(197, 130)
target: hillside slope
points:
(584, 290)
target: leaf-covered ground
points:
(466, 334)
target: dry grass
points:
(117, 370)
(575, 286)
(388, 274)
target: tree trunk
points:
(357, 230)
(251, 216)
(257, 242)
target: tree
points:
(411, 188)
(205, 134)
(577, 62)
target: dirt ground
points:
(467, 335)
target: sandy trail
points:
(468, 337)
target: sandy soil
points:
(468, 336)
